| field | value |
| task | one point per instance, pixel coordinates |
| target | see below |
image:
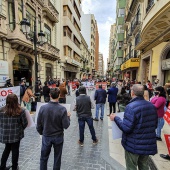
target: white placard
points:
(10, 90)
(29, 119)
(3, 67)
(116, 132)
(39, 104)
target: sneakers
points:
(95, 119)
(95, 142)
(101, 118)
(80, 143)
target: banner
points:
(89, 85)
(167, 115)
(104, 85)
(52, 86)
(167, 140)
(10, 90)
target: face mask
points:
(156, 93)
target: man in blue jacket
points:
(138, 126)
(112, 97)
(100, 97)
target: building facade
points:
(147, 40)
(96, 69)
(70, 39)
(101, 66)
(119, 38)
(133, 16)
(16, 49)
(85, 59)
(89, 24)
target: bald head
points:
(138, 90)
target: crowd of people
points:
(144, 107)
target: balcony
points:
(50, 11)
(50, 52)
(124, 46)
(151, 3)
(136, 24)
(129, 35)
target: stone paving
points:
(74, 157)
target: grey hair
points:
(138, 90)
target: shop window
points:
(47, 32)
(11, 14)
(31, 16)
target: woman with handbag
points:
(13, 121)
(28, 97)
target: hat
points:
(22, 78)
(8, 79)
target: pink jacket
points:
(159, 103)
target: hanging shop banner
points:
(10, 90)
(167, 115)
(167, 140)
(104, 84)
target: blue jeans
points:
(98, 106)
(47, 143)
(82, 121)
(159, 126)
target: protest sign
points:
(167, 115)
(29, 119)
(39, 104)
(10, 90)
(89, 85)
(167, 139)
(116, 132)
(104, 84)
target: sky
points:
(105, 14)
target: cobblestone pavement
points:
(74, 157)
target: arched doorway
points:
(167, 71)
(22, 67)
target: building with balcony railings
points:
(85, 59)
(118, 40)
(70, 39)
(101, 66)
(154, 41)
(17, 54)
(88, 31)
(133, 24)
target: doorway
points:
(22, 67)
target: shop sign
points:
(3, 67)
(167, 140)
(166, 64)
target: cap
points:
(23, 78)
(8, 79)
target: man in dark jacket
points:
(112, 98)
(52, 120)
(83, 106)
(100, 97)
(46, 92)
(138, 126)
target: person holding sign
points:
(139, 130)
(51, 122)
(13, 121)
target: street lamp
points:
(25, 27)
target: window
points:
(150, 4)
(67, 32)
(48, 70)
(31, 16)
(11, 14)
(47, 32)
(67, 51)
(20, 10)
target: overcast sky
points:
(105, 14)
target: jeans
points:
(47, 143)
(98, 106)
(14, 147)
(89, 120)
(133, 161)
(159, 126)
(114, 107)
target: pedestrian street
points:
(74, 157)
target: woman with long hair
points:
(159, 101)
(13, 121)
